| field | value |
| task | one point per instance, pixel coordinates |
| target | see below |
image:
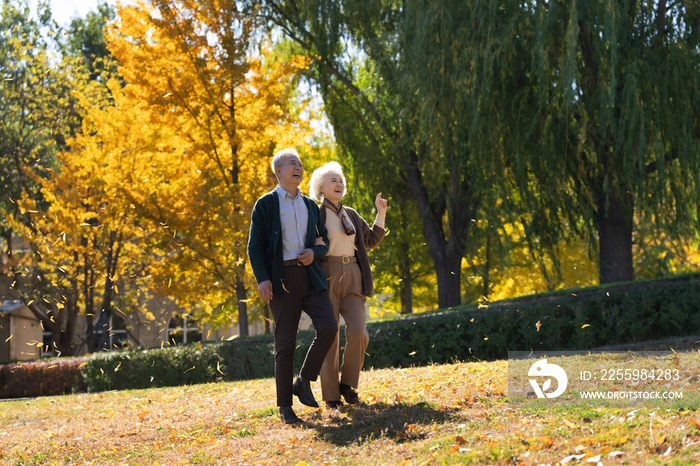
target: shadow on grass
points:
(400, 422)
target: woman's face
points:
(333, 188)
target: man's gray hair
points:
(320, 176)
(278, 158)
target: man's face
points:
(291, 172)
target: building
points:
(20, 332)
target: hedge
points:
(581, 319)
(37, 378)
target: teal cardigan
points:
(265, 244)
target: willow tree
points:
(373, 57)
(611, 122)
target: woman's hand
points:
(319, 241)
(381, 204)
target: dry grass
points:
(449, 414)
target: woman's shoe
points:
(334, 404)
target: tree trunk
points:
(241, 294)
(487, 266)
(448, 269)
(615, 225)
(266, 313)
(446, 255)
(407, 295)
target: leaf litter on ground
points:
(438, 414)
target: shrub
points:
(54, 377)
(631, 313)
(572, 320)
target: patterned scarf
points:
(340, 210)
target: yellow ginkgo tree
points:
(197, 71)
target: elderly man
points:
(285, 254)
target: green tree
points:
(431, 162)
(607, 117)
(86, 39)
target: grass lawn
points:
(446, 414)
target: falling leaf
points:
(585, 325)
(284, 287)
(189, 369)
(538, 325)
(9, 338)
(232, 337)
(481, 305)
(472, 320)
(485, 337)
(411, 353)
(218, 368)
(83, 364)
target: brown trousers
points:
(345, 290)
(286, 311)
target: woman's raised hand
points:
(380, 203)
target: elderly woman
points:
(349, 278)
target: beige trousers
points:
(345, 291)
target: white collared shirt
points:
(294, 217)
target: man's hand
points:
(306, 256)
(265, 289)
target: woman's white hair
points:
(320, 176)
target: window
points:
(183, 329)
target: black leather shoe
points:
(334, 404)
(302, 389)
(288, 415)
(349, 394)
